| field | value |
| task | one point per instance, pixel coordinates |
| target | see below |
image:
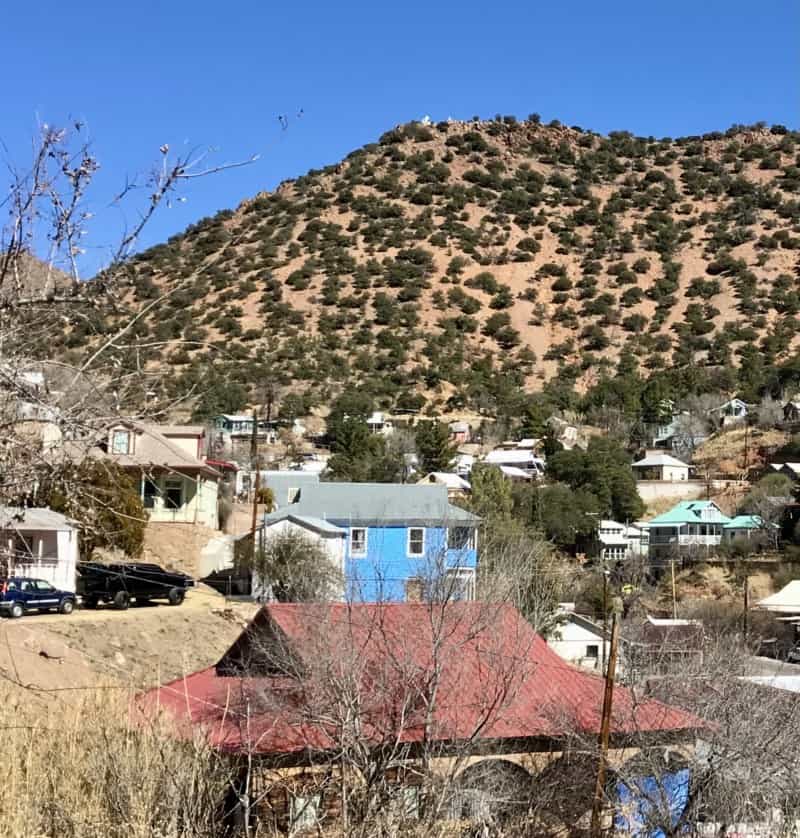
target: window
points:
(416, 541)
(358, 541)
(121, 442)
(293, 495)
(414, 589)
(460, 538)
(304, 811)
(593, 652)
(44, 587)
(460, 583)
(149, 493)
(173, 493)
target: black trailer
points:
(121, 583)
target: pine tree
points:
(435, 451)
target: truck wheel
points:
(66, 606)
(175, 596)
(122, 600)
(17, 609)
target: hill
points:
(456, 265)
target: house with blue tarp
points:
(390, 541)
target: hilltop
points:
(453, 265)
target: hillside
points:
(456, 263)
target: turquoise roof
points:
(745, 522)
(687, 512)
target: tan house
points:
(176, 484)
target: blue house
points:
(390, 541)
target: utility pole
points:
(605, 730)
(605, 619)
(746, 615)
(674, 596)
(256, 465)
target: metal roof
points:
(689, 512)
(381, 504)
(655, 460)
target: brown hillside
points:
(448, 261)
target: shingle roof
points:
(380, 504)
(152, 448)
(497, 679)
(688, 512)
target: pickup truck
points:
(19, 594)
(121, 583)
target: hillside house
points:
(524, 459)
(232, 427)
(177, 485)
(660, 466)
(378, 423)
(286, 485)
(39, 542)
(749, 527)
(456, 694)
(618, 541)
(460, 433)
(398, 539)
(581, 642)
(730, 413)
(457, 486)
(693, 526)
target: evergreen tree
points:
(434, 448)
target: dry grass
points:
(90, 771)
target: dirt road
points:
(140, 647)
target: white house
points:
(660, 466)
(40, 543)
(331, 539)
(730, 413)
(786, 601)
(522, 458)
(620, 541)
(579, 641)
(379, 424)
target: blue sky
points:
(220, 74)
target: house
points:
(463, 464)
(231, 427)
(662, 643)
(176, 484)
(730, 413)
(580, 641)
(457, 487)
(748, 526)
(460, 433)
(620, 541)
(791, 470)
(516, 475)
(521, 458)
(786, 601)
(465, 696)
(286, 486)
(39, 542)
(399, 538)
(791, 410)
(379, 424)
(690, 526)
(660, 466)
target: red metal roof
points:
(496, 679)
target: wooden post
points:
(256, 465)
(605, 730)
(605, 620)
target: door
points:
(44, 594)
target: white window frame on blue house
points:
(363, 551)
(466, 576)
(421, 553)
(470, 542)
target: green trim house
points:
(691, 526)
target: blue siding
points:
(382, 573)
